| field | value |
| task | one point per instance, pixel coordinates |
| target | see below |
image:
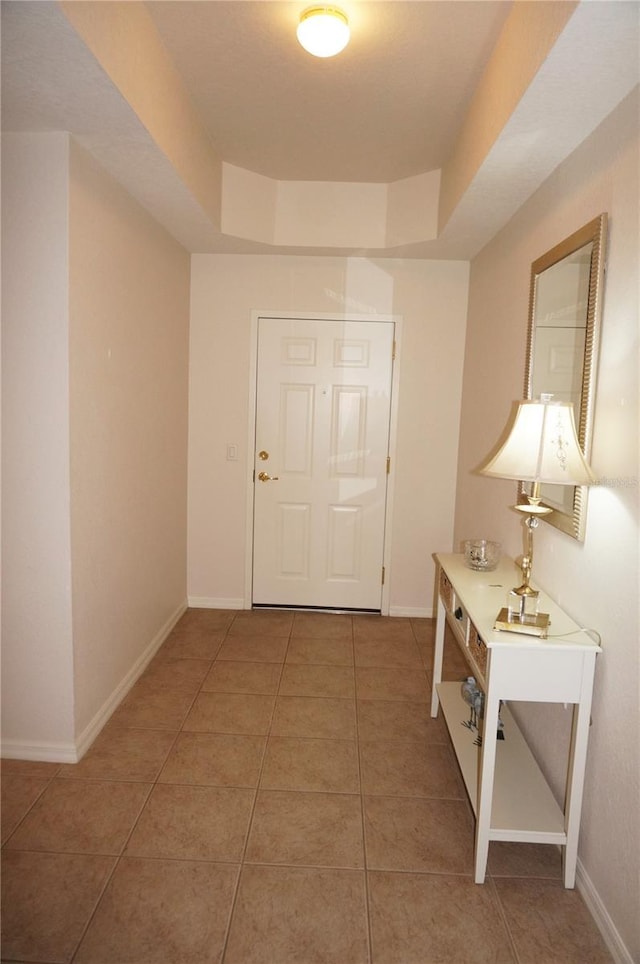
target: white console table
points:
(508, 792)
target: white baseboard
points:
(73, 752)
(91, 731)
(214, 602)
(411, 613)
(39, 752)
(601, 917)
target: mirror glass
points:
(562, 348)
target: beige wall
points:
(128, 349)
(597, 582)
(37, 661)
(430, 297)
(95, 354)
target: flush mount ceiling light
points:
(323, 31)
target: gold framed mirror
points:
(565, 300)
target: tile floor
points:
(273, 791)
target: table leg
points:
(437, 656)
(486, 773)
(575, 777)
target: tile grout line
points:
(24, 816)
(502, 913)
(154, 784)
(367, 895)
(241, 865)
(364, 836)
(118, 857)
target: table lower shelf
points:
(523, 807)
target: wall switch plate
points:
(232, 452)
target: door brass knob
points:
(267, 478)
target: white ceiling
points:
(389, 107)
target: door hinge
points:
(383, 575)
(388, 464)
(393, 351)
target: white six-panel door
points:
(322, 439)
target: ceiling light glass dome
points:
(323, 31)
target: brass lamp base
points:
(530, 625)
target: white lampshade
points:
(542, 447)
(323, 31)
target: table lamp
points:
(542, 447)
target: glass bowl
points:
(481, 554)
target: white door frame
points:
(251, 435)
